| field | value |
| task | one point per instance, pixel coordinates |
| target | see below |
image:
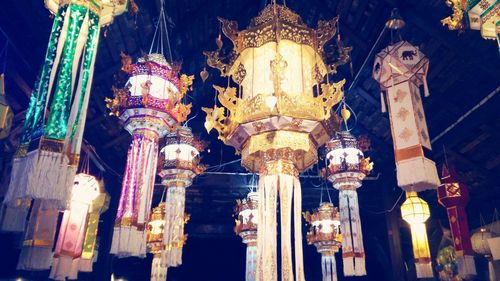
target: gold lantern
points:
(246, 227)
(415, 212)
(324, 233)
(279, 118)
(154, 238)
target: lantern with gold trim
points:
(178, 167)
(79, 228)
(246, 228)
(454, 195)
(155, 230)
(150, 106)
(45, 164)
(346, 169)
(324, 233)
(280, 117)
(415, 212)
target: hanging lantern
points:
(246, 228)
(87, 200)
(36, 251)
(181, 164)
(454, 195)
(346, 169)
(401, 69)
(6, 114)
(155, 230)
(479, 241)
(480, 15)
(324, 233)
(415, 212)
(278, 121)
(150, 106)
(45, 164)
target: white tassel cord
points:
(158, 271)
(128, 241)
(297, 207)
(18, 186)
(285, 196)
(352, 237)
(65, 267)
(466, 267)
(251, 262)
(173, 233)
(328, 267)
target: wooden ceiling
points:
(464, 69)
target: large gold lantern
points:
(324, 233)
(155, 230)
(279, 118)
(346, 169)
(415, 212)
(246, 228)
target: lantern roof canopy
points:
(106, 9)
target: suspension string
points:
(163, 194)
(167, 36)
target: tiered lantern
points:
(415, 212)
(246, 228)
(346, 169)
(277, 121)
(78, 230)
(150, 106)
(479, 241)
(45, 164)
(156, 228)
(454, 195)
(324, 233)
(181, 164)
(400, 70)
(480, 15)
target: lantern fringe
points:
(18, 186)
(383, 107)
(14, 218)
(251, 261)
(353, 254)
(289, 187)
(48, 179)
(86, 265)
(128, 241)
(173, 235)
(328, 267)
(65, 267)
(158, 271)
(466, 266)
(35, 258)
(418, 173)
(424, 270)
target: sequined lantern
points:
(45, 164)
(479, 241)
(482, 15)
(346, 169)
(155, 230)
(400, 70)
(324, 233)
(415, 212)
(78, 230)
(246, 228)
(180, 165)
(277, 121)
(454, 195)
(149, 106)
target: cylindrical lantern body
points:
(415, 212)
(454, 195)
(150, 107)
(179, 165)
(246, 227)
(45, 164)
(346, 169)
(72, 233)
(324, 233)
(277, 121)
(400, 70)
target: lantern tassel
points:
(285, 196)
(13, 218)
(466, 266)
(328, 267)
(173, 236)
(251, 261)
(297, 206)
(426, 88)
(158, 271)
(383, 107)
